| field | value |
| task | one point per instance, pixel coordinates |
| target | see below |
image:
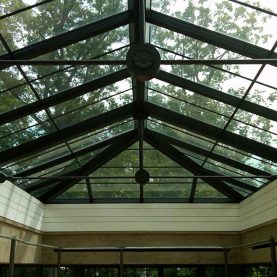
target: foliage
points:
(60, 16)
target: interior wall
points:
(137, 225)
(25, 254)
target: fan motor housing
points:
(143, 62)
(142, 177)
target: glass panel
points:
(253, 133)
(168, 52)
(178, 133)
(189, 97)
(263, 96)
(210, 77)
(187, 109)
(26, 135)
(12, 6)
(100, 135)
(224, 17)
(9, 78)
(180, 272)
(78, 191)
(140, 272)
(53, 18)
(98, 272)
(231, 171)
(268, 76)
(204, 190)
(15, 98)
(2, 48)
(254, 161)
(38, 159)
(90, 105)
(115, 191)
(23, 123)
(168, 190)
(264, 4)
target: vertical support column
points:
(121, 261)
(226, 273)
(12, 257)
(59, 260)
(273, 257)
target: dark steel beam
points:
(138, 36)
(100, 159)
(147, 249)
(63, 96)
(73, 131)
(70, 37)
(12, 257)
(49, 182)
(217, 95)
(208, 36)
(212, 132)
(65, 158)
(213, 156)
(192, 166)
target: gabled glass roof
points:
(78, 125)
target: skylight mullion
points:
(64, 96)
(73, 131)
(218, 68)
(68, 38)
(212, 132)
(117, 147)
(206, 35)
(239, 106)
(214, 156)
(193, 167)
(217, 95)
(25, 9)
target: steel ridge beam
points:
(190, 165)
(212, 132)
(63, 96)
(71, 132)
(213, 156)
(65, 158)
(46, 183)
(100, 159)
(208, 36)
(69, 37)
(217, 95)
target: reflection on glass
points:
(187, 109)
(168, 190)
(225, 17)
(78, 191)
(204, 190)
(253, 133)
(26, 135)
(54, 18)
(114, 191)
(100, 135)
(263, 96)
(180, 134)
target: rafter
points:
(208, 36)
(217, 95)
(68, 133)
(192, 166)
(212, 132)
(213, 156)
(70, 37)
(65, 158)
(63, 96)
(100, 159)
